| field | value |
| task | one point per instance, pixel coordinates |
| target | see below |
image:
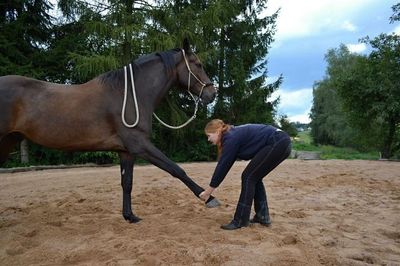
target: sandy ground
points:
(324, 213)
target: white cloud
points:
(295, 104)
(305, 18)
(271, 79)
(357, 48)
(397, 30)
(302, 118)
(347, 25)
(295, 99)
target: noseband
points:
(203, 85)
(196, 101)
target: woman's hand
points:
(205, 195)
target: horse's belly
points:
(74, 141)
(72, 132)
(65, 117)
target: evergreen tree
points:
(232, 41)
(24, 34)
(114, 32)
(25, 31)
(243, 42)
(287, 126)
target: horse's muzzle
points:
(209, 93)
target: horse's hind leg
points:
(127, 163)
(7, 144)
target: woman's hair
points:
(214, 126)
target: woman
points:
(266, 146)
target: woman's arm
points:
(230, 150)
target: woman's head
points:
(214, 130)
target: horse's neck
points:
(162, 82)
(164, 90)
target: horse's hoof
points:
(132, 218)
(212, 203)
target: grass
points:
(303, 142)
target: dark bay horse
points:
(87, 117)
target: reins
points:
(196, 101)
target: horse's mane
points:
(115, 78)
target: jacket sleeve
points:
(230, 150)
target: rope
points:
(190, 73)
(126, 96)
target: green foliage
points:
(358, 103)
(304, 143)
(304, 137)
(332, 152)
(95, 157)
(396, 13)
(39, 155)
(243, 45)
(288, 127)
(301, 146)
(329, 124)
(24, 33)
(368, 87)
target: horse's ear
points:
(186, 46)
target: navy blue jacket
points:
(240, 142)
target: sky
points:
(306, 30)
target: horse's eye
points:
(199, 65)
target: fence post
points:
(24, 151)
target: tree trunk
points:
(24, 151)
(388, 142)
(127, 45)
(221, 77)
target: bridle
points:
(196, 101)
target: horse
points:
(88, 117)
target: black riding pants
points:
(269, 157)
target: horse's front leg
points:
(126, 163)
(150, 153)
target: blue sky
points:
(306, 30)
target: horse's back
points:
(13, 82)
(70, 117)
(13, 88)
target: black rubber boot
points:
(234, 225)
(241, 218)
(262, 214)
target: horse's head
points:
(192, 76)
